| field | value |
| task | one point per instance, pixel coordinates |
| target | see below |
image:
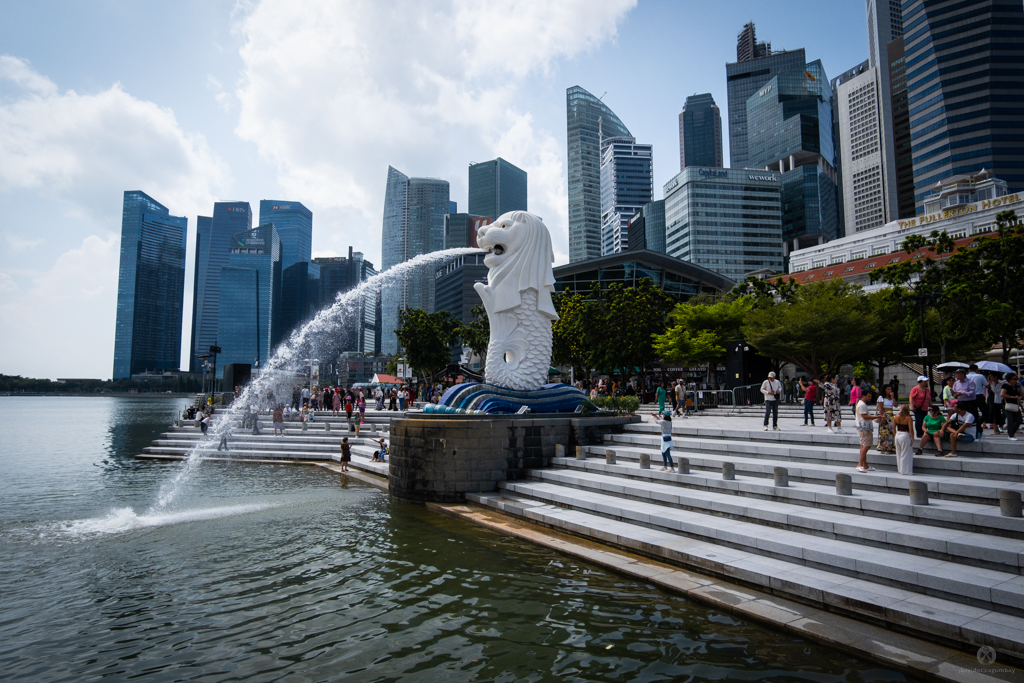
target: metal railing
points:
(748, 395)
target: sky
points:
(196, 101)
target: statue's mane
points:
(529, 267)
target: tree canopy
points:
(428, 339)
(700, 329)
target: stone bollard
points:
(580, 453)
(781, 476)
(559, 450)
(844, 484)
(728, 471)
(374, 426)
(1009, 504)
(645, 461)
(609, 457)
(327, 426)
(918, 493)
(684, 465)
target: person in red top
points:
(920, 399)
(810, 393)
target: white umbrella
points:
(992, 366)
(952, 365)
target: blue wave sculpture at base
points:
(478, 398)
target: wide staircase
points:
(949, 570)
(320, 441)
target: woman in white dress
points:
(904, 423)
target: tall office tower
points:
(744, 78)
(453, 282)
(250, 297)
(647, 227)
(966, 115)
(300, 277)
(496, 187)
(588, 120)
(726, 220)
(627, 183)
(340, 274)
(414, 212)
(213, 249)
(700, 133)
(747, 47)
(150, 287)
(901, 131)
(790, 122)
(885, 24)
(861, 152)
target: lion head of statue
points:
(519, 257)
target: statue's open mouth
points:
(497, 249)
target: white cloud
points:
(334, 92)
(16, 243)
(86, 150)
(7, 283)
(63, 323)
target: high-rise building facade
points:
(627, 183)
(647, 228)
(249, 297)
(300, 277)
(339, 274)
(885, 24)
(862, 152)
(837, 138)
(150, 287)
(747, 75)
(965, 89)
(700, 133)
(902, 150)
(496, 187)
(790, 130)
(213, 250)
(414, 216)
(725, 220)
(588, 121)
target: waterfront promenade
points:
(755, 521)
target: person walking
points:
(1011, 393)
(995, 402)
(660, 394)
(933, 422)
(278, 420)
(336, 403)
(346, 454)
(665, 422)
(833, 413)
(401, 398)
(904, 442)
(886, 407)
(378, 399)
(680, 393)
(772, 390)
(980, 403)
(810, 390)
(787, 386)
(865, 429)
(920, 399)
(855, 393)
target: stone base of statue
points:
(479, 398)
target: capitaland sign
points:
(956, 211)
(712, 172)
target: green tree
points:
(822, 326)
(896, 339)
(477, 334)
(570, 334)
(428, 340)
(700, 329)
(630, 318)
(1002, 281)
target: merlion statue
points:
(517, 298)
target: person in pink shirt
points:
(855, 394)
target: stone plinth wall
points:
(439, 458)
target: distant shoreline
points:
(116, 394)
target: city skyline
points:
(201, 100)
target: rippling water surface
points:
(284, 573)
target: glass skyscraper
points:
(965, 90)
(300, 277)
(725, 220)
(150, 287)
(789, 124)
(700, 132)
(414, 213)
(249, 297)
(885, 24)
(627, 183)
(743, 79)
(496, 187)
(588, 120)
(340, 274)
(647, 227)
(213, 249)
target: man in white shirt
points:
(865, 429)
(980, 409)
(772, 390)
(961, 427)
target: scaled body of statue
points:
(517, 298)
